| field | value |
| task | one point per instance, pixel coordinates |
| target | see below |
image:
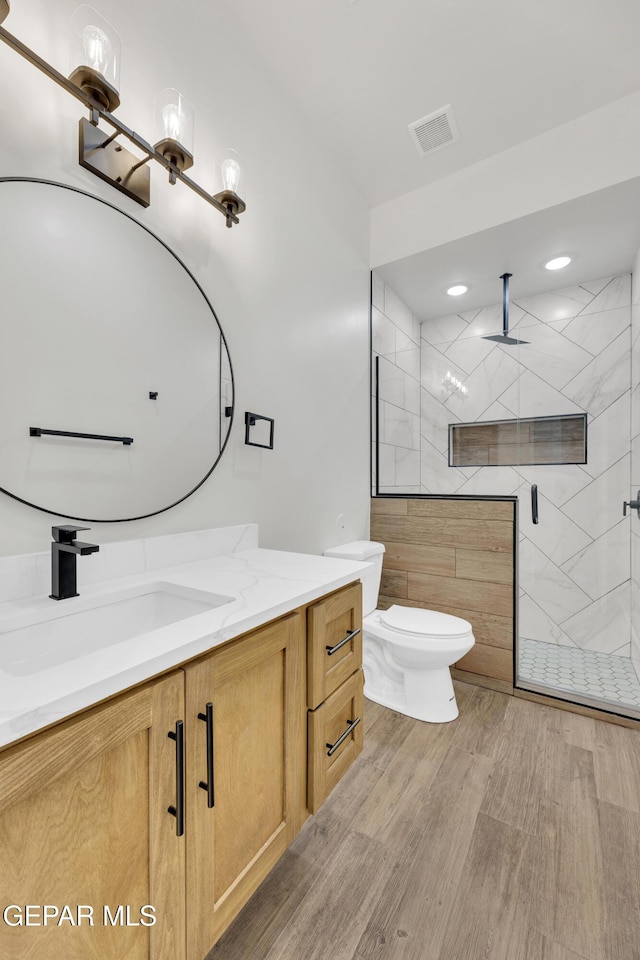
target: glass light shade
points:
(95, 56)
(173, 125)
(230, 172)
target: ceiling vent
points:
(437, 130)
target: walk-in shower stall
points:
(550, 414)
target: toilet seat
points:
(430, 624)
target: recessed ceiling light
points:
(557, 263)
(457, 290)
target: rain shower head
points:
(504, 336)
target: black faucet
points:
(64, 550)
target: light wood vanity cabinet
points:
(248, 699)
(91, 810)
(334, 690)
(83, 821)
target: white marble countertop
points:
(263, 585)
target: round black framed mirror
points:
(116, 384)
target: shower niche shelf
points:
(534, 441)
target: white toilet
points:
(407, 651)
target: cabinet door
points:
(334, 642)
(256, 756)
(336, 737)
(84, 821)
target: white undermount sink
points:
(73, 628)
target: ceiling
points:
(359, 71)
(600, 232)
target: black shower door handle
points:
(534, 502)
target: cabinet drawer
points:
(330, 660)
(335, 738)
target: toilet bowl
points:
(407, 651)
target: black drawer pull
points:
(178, 810)
(349, 636)
(208, 786)
(352, 724)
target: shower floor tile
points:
(570, 669)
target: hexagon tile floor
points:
(600, 675)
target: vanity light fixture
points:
(94, 81)
(557, 263)
(457, 290)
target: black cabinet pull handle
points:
(349, 636)
(534, 502)
(208, 786)
(178, 810)
(352, 724)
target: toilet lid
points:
(425, 623)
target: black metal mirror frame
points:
(229, 411)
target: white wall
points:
(290, 284)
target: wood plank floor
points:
(512, 833)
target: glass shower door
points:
(575, 585)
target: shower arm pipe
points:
(98, 112)
(505, 303)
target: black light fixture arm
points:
(97, 112)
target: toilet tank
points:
(366, 551)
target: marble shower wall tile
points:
(487, 382)
(594, 332)
(435, 473)
(556, 306)
(605, 625)
(598, 507)
(603, 565)
(558, 486)
(558, 596)
(552, 357)
(444, 330)
(603, 380)
(377, 291)
(556, 535)
(434, 367)
(595, 286)
(535, 623)
(400, 428)
(608, 436)
(383, 335)
(400, 315)
(434, 421)
(391, 383)
(529, 396)
(616, 293)
(489, 481)
(396, 341)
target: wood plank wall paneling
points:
(455, 556)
